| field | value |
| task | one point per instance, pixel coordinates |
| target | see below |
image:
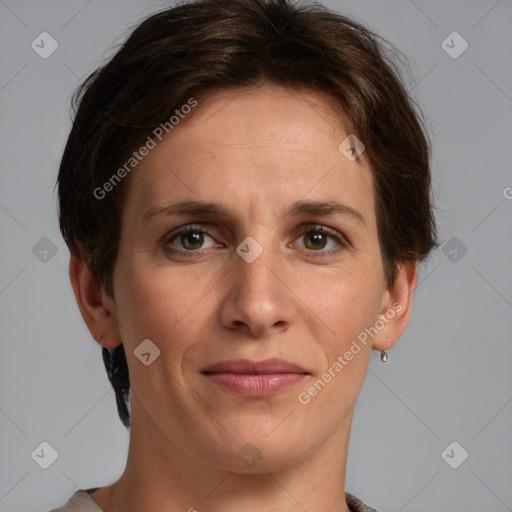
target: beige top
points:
(82, 502)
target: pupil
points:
(193, 239)
(316, 239)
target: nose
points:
(258, 301)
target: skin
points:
(255, 151)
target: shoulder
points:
(356, 505)
(80, 502)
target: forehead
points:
(252, 148)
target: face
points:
(282, 261)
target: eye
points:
(191, 239)
(317, 238)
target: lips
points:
(254, 378)
(248, 367)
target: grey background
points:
(448, 379)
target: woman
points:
(245, 194)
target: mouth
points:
(255, 378)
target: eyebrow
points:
(298, 209)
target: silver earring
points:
(384, 354)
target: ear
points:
(396, 306)
(96, 306)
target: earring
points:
(99, 338)
(384, 354)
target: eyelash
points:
(313, 229)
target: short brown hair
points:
(197, 47)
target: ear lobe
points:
(396, 307)
(92, 302)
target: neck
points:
(168, 479)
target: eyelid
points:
(312, 227)
(183, 229)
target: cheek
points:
(347, 304)
(347, 310)
(139, 301)
(158, 306)
(162, 304)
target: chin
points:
(259, 453)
